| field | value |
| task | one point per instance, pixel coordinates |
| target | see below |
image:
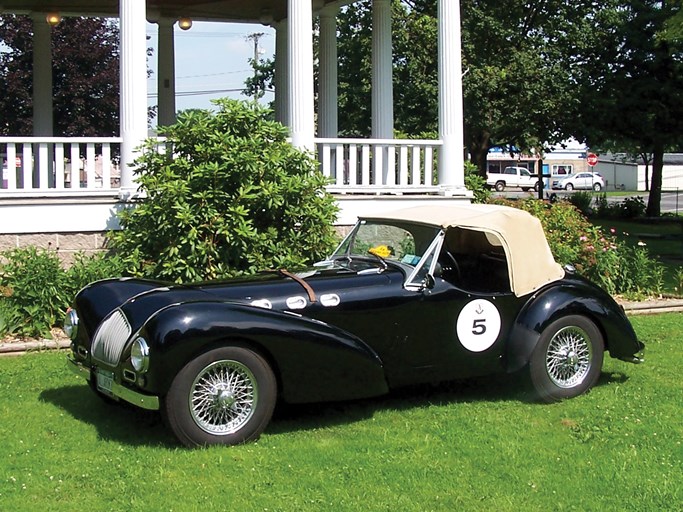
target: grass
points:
(478, 445)
(664, 241)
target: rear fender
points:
(314, 361)
(578, 298)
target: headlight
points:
(71, 323)
(139, 355)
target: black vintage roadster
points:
(420, 295)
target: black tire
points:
(597, 187)
(525, 189)
(569, 187)
(567, 360)
(224, 396)
(537, 186)
(500, 186)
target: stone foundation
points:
(66, 245)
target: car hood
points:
(139, 299)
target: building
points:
(42, 202)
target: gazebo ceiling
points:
(251, 11)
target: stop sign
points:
(592, 159)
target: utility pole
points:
(255, 37)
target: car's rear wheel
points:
(537, 185)
(500, 186)
(567, 360)
(569, 187)
(224, 396)
(597, 187)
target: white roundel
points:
(478, 325)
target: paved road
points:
(672, 202)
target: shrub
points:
(86, 269)
(629, 208)
(233, 198)
(633, 207)
(33, 289)
(582, 201)
(597, 255)
(36, 290)
(476, 183)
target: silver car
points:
(581, 180)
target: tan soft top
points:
(530, 263)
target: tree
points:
(520, 62)
(85, 76)
(635, 97)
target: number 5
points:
(478, 326)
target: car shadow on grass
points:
(114, 421)
(130, 425)
(500, 388)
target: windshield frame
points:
(415, 272)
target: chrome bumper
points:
(149, 402)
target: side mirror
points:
(428, 282)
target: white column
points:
(42, 77)
(281, 74)
(166, 73)
(327, 107)
(451, 126)
(382, 84)
(133, 88)
(300, 78)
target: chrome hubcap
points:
(223, 397)
(568, 358)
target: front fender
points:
(314, 361)
(570, 297)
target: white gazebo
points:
(66, 185)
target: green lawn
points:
(478, 445)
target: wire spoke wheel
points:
(223, 397)
(568, 357)
(567, 360)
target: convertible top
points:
(530, 263)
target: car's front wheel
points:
(567, 360)
(224, 396)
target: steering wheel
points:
(450, 268)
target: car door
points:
(583, 180)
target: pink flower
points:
(583, 238)
(612, 230)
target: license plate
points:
(105, 381)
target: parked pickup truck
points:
(512, 177)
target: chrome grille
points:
(110, 338)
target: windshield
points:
(392, 241)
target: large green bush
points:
(230, 196)
(596, 254)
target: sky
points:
(211, 61)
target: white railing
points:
(33, 166)
(67, 166)
(379, 166)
